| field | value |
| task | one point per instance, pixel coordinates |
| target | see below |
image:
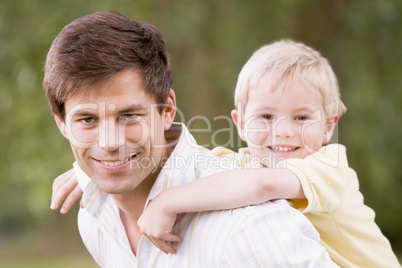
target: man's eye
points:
(88, 120)
(128, 118)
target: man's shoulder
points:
(87, 225)
(221, 225)
(248, 216)
(268, 227)
(274, 209)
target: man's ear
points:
(169, 110)
(331, 123)
(237, 119)
(61, 125)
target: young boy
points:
(287, 105)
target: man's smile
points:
(114, 163)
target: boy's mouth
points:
(282, 148)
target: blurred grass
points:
(67, 262)
(54, 243)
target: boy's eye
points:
(301, 118)
(268, 116)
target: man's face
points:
(284, 124)
(116, 133)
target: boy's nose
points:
(283, 127)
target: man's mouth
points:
(282, 148)
(118, 162)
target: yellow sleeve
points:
(323, 177)
(241, 159)
(220, 151)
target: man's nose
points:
(283, 127)
(111, 135)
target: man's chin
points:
(114, 190)
(112, 185)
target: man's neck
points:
(131, 205)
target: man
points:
(109, 83)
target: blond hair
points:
(286, 62)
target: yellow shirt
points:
(335, 206)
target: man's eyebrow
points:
(133, 108)
(88, 112)
(84, 113)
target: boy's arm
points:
(65, 187)
(232, 189)
(225, 190)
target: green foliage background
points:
(209, 42)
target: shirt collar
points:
(177, 170)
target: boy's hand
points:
(156, 224)
(65, 187)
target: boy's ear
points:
(237, 119)
(331, 123)
(169, 110)
(61, 125)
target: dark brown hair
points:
(92, 49)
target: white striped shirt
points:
(269, 235)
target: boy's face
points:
(116, 133)
(278, 124)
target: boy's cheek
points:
(256, 134)
(255, 140)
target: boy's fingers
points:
(60, 194)
(61, 191)
(164, 246)
(168, 248)
(60, 181)
(71, 199)
(57, 183)
(173, 238)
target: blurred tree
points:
(209, 42)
